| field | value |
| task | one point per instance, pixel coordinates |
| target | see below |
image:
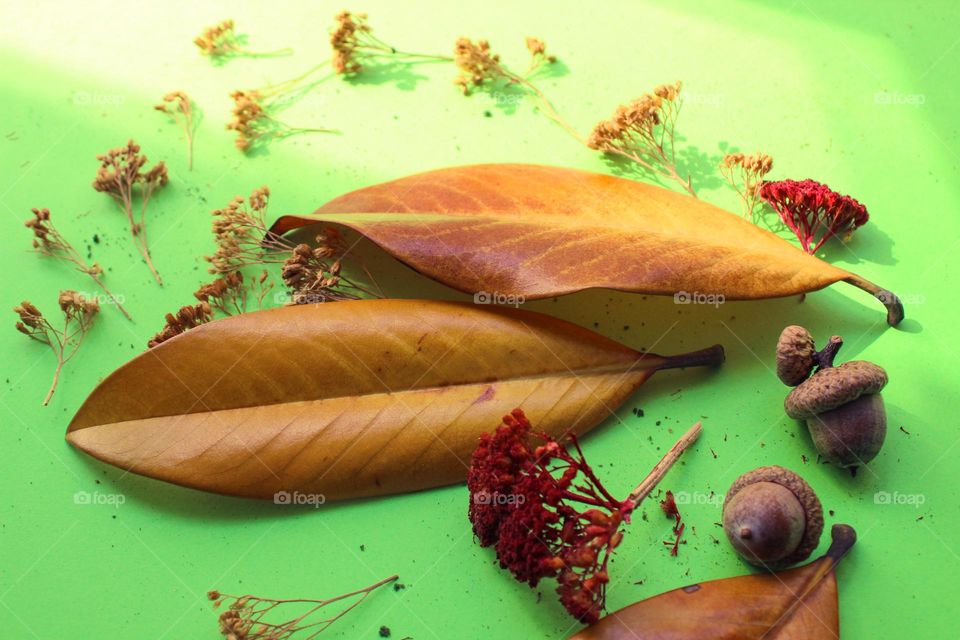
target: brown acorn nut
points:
(772, 517)
(795, 355)
(844, 411)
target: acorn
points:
(772, 517)
(843, 411)
(797, 355)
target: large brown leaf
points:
(538, 231)
(352, 399)
(799, 604)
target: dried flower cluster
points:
(78, 315)
(231, 293)
(745, 173)
(121, 175)
(548, 514)
(353, 43)
(186, 318)
(538, 54)
(48, 241)
(178, 106)
(314, 274)
(813, 211)
(254, 117)
(241, 234)
(250, 617)
(221, 41)
(477, 64)
(644, 131)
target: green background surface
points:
(862, 96)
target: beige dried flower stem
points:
(50, 242)
(659, 161)
(221, 41)
(271, 631)
(125, 163)
(64, 343)
(181, 111)
(661, 468)
(745, 174)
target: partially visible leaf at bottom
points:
(352, 398)
(797, 604)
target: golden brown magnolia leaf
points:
(797, 604)
(535, 231)
(353, 398)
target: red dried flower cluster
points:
(525, 501)
(813, 211)
(548, 514)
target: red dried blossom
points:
(548, 513)
(494, 470)
(813, 211)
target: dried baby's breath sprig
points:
(232, 293)
(221, 41)
(121, 176)
(538, 54)
(644, 131)
(745, 173)
(48, 241)
(314, 274)
(242, 237)
(481, 68)
(78, 315)
(353, 42)
(184, 319)
(179, 106)
(246, 617)
(254, 116)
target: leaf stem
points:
(886, 298)
(709, 357)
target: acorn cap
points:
(805, 495)
(834, 386)
(795, 350)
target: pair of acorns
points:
(841, 405)
(771, 516)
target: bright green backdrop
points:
(862, 96)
